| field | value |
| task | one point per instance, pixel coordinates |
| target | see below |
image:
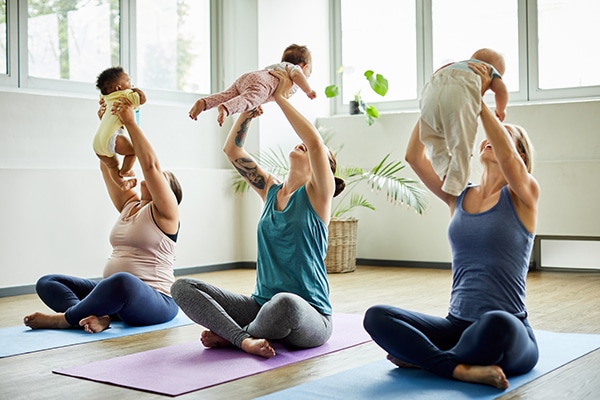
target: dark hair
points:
(175, 186)
(107, 78)
(296, 54)
(340, 185)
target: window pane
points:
(462, 26)
(173, 45)
(3, 50)
(72, 40)
(568, 50)
(377, 34)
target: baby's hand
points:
(102, 108)
(312, 94)
(501, 114)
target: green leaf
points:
(356, 200)
(332, 91)
(378, 83)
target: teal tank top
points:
(491, 252)
(292, 244)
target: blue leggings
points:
(440, 344)
(121, 296)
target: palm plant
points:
(383, 176)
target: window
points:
(173, 45)
(3, 39)
(568, 50)
(72, 40)
(550, 46)
(164, 45)
(379, 36)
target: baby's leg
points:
(124, 147)
(113, 168)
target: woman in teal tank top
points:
(485, 337)
(290, 302)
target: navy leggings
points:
(122, 296)
(440, 344)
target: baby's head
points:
(491, 57)
(298, 55)
(113, 79)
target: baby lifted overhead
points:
(114, 83)
(255, 88)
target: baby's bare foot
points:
(94, 324)
(485, 374)
(258, 347)
(197, 108)
(128, 184)
(38, 320)
(222, 114)
(399, 363)
(211, 339)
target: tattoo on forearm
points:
(240, 137)
(248, 169)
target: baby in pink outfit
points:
(255, 88)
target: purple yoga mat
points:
(187, 367)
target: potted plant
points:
(384, 176)
(378, 84)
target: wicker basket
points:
(341, 250)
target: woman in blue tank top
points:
(290, 302)
(486, 336)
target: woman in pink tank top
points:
(139, 272)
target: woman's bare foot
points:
(401, 364)
(211, 339)
(258, 347)
(486, 374)
(38, 320)
(222, 114)
(94, 324)
(197, 108)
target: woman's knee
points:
(180, 288)
(45, 283)
(373, 317)
(121, 280)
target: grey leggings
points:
(235, 317)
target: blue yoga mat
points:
(21, 339)
(382, 380)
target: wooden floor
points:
(557, 301)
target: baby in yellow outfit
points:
(114, 83)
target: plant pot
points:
(356, 107)
(341, 245)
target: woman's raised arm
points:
(164, 202)
(258, 179)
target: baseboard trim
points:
(405, 264)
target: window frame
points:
(528, 92)
(10, 79)
(18, 56)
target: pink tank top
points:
(142, 249)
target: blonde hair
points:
(524, 146)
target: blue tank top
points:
(491, 253)
(292, 245)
